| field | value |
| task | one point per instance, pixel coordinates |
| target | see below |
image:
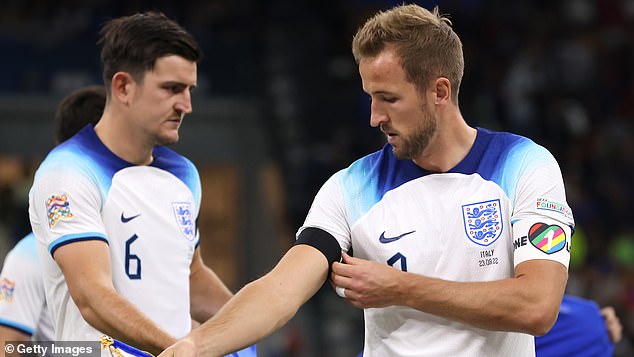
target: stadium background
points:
(279, 109)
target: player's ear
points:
(442, 90)
(122, 87)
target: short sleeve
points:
(65, 206)
(542, 220)
(327, 212)
(22, 296)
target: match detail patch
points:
(57, 208)
(549, 239)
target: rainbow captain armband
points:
(120, 349)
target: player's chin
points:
(167, 138)
(399, 153)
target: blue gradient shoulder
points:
(26, 248)
(503, 158)
(64, 157)
(78, 157)
(180, 166)
(521, 148)
(365, 181)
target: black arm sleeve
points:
(323, 242)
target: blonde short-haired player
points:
(460, 235)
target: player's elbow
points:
(87, 304)
(540, 327)
(85, 308)
(538, 321)
(91, 317)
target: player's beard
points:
(415, 144)
(169, 138)
(166, 137)
(166, 141)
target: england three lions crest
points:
(482, 221)
(184, 218)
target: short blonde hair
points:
(424, 40)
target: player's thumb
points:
(347, 259)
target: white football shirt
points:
(503, 204)
(146, 215)
(22, 300)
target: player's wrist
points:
(167, 341)
(407, 289)
(194, 340)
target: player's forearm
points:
(491, 305)
(252, 314)
(113, 315)
(263, 306)
(11, 334)
(207, 294)
(520, 304)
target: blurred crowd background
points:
(280, 108)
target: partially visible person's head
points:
(424, 41)
(150, 69)
(133, 43)
(76, 110)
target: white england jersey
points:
(146, 215)
(22, 300)
(503, 204)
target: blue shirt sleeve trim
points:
(250, 351)
(72, 238)
(14, 325)
(130, 350)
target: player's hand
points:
(612, 323)
(182, 348)
(366, 283)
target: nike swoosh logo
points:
(383, 239)
(128, 219)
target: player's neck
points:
(451, 144)
(121, 139)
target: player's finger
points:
(615, 328)
(349, 259)
(340, 291)
(342, 269)
(341, 280)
